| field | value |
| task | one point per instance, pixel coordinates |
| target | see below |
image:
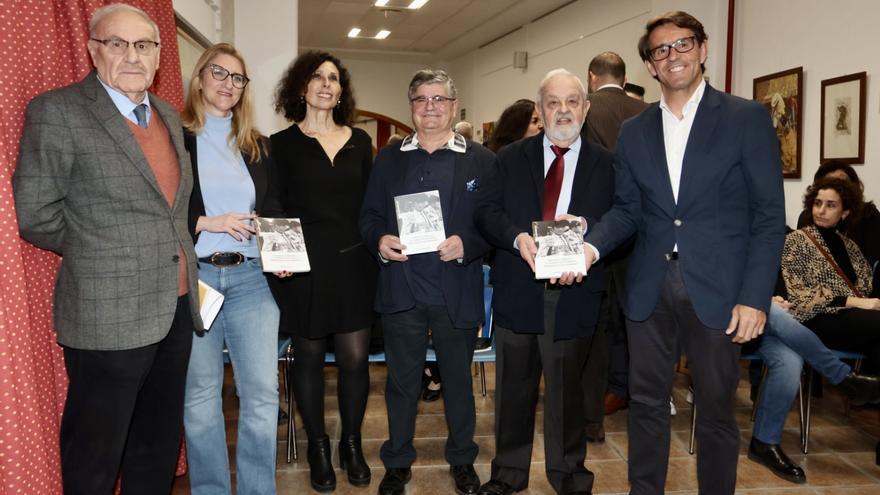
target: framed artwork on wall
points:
(842, 131)
(782, 94)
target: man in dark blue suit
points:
(441, 290)
(543, 327)
(698, 181)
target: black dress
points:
(337, 295)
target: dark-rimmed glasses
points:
(119, 46)
(220, 74)
(681, 45)
(422, 101)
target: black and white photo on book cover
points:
(282, 245)
(420, 221)
(560, 248)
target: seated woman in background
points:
(517, 121)
(864, 228)
(829, 281)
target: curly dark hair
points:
(289, 94)
(512, 124)
(850, 197)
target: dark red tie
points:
(553, 182)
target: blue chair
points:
(285, 358)
(805, 393)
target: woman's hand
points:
(283, 274)
(231, 223)
(870, 303)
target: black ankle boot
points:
(773, 457)
(861, 389)
(320, 468)
(351, 460)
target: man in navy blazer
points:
(542, 327)
(440, 290)
(698, 181)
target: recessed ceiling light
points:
(381, 35)
(381, 3)
(417, 4)
(354, 32)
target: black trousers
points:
(607, 357)
(854, 330)
(712, 358)
(521, 359)
(124, 413)
(406, 343)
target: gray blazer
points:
(84, 190)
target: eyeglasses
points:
(118, 46)
(220, 74)
(422, 101)
(682, 45)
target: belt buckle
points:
(216, 257)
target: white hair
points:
(553, 74)
(106, 10)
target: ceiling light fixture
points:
(381, 35)
(354, 32)
(416, 4)
(381, 3)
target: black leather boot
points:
(773, 457)
(351, 460)
(861, 389)
(320, 468)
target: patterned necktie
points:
(553, 182)
(140, 113)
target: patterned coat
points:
(811, 281)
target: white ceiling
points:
(442, 29)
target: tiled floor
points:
(840, 462)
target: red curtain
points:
(43, 46)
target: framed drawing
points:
(782, 94)
(842, 131)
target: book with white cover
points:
(420, 221)
(210, 302)
(282, 245)
(560, 248)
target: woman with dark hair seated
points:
(519, 120)
(864, 228)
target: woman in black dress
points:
(322, 169)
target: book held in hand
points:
(282, 245)
(420, 221)
(560, 248)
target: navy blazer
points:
(516, 199)
(259, 171)
(729, 221)
(462, 283)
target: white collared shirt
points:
(571, 159)
(676, 133)
(456, 143)
(125, 105)
(609, 85)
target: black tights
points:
(353, 384)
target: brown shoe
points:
(595, 432)
(614, 403)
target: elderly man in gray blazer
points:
(104, 181)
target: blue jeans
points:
(786, 344)
(248, 324)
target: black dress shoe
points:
(351, 460)
(320, 468)
(861, 389)
(466, 480)
(774, 458)
(395, 480)
(595, 432)
(428, 394)
(496, 487)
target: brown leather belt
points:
(224, 259)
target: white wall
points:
(203, 15)
(828, 40)
(381, 86)
(266, 34)
(568, 38)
